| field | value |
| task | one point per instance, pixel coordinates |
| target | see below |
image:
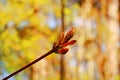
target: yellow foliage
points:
(42, 2)
(22, 42)
(68, 11)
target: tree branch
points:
(28, 65)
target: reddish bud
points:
(72, 42)
(68, 43)
(69, 35)
(63, 51)
(62, 42)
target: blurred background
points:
(28, 29)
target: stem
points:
(28, 65)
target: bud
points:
(68, 43)
(63, 51)
(62, 42)
(69, 35)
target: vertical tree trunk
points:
(62, 71)
(31, 73)
(34, 73)
(113, 39)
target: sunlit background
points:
(28, 28)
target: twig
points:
(33, 62)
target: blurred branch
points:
(33, 62)
(62, 71)
(62, 16)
